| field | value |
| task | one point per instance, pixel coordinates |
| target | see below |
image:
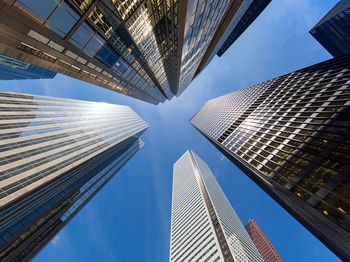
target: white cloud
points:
(55, 240)
(220, 156)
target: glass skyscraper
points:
(291, 135)
(204, 226)
(243, 19)
(262, 243)
(333, 30)
(150, 50)
(55, 155)
(11, 69)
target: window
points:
(63, 19)
(94, 45)
(39, 8)
(120, 66)
(82, 35)
(107, 56)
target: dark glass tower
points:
(55, 155)
(241, 23)
(291, 135)
(150, 50)
(333, 30)
(11, 69)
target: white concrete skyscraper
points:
(204, 226)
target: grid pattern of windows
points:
(199, 211)
(294, 130)
(153, 25)
(146, 49)
(262, 243)
(238, 241)
(192, 235)
(199, 31)
(98, 31)
(55, 154)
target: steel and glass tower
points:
(262, 243)
(244, 18)
(150, 50)
(333, 30)
(55, 155)
(11, 69)
(291, 135)
(204, 226)
(239, 16)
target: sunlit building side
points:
(291, 135)
(55, 155)
(267, 251)
(149, 50)
(204, 226)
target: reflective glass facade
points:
(55, 155)
(291, 136)
(242, 20)
(147, 49)
(11, 69)
(204, 19)
(262, 243)
(204, 226)
(333, 30)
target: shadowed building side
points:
(333, 30)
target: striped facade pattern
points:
(202, 22)
(55, 154)
(150, 50)
(11, 69)
(204, 227)
(262, 243)
(292, 132)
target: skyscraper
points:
(333, 30)
(291, 135)
(243, 19)
(55, 155)
(11, 69)
(204, 226)
(262, 243)
(233, 24)
(150, 50)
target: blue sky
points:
(129, 220)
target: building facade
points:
(262, 243)
(150, 50)
(11, 69)
(205, 23)
(333, 30)
(291, 135)
(204, 226)
(243, 19)
(55, 155)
